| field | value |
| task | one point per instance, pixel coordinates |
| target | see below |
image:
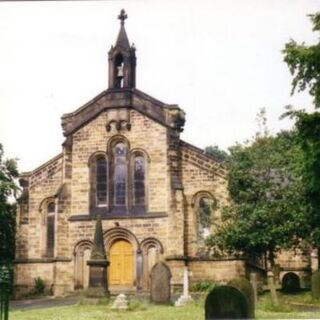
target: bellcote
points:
(122, 60)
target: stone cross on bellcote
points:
(122, 16)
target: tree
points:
(8, 189)
(267, 212)
(217, 153)
(304, 64)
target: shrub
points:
(202, 286)
(39, 287)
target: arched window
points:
(98, 181)
(101, 181)
(139, 188)
(120, 151)
(204, 205)
(50, 230)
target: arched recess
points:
(291, 282)
(98, 177)
(204, 204)
(48, 209)
(152, 252)
(82, 252)
(122, 237)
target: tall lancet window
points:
(120, 173)
(139, 189)
(101, 181)
(119, 72)
(50, 230)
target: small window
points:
(120, 173)
(139, 193)
(50, 229)
(205, 215)
(101, 181)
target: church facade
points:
(123, 159)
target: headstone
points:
(315, 285)
(226, 302)
(160, 283)
(246, 288)
(120, 303)
(185, 297)
(291, 283)
(272, 288)
(254, 283)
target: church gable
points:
(94, 142)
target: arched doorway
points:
(81, 274)
(121, 263)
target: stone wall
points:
(217, 271)
(201, 175)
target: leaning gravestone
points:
(160, 283)
(226, 302)
(315, 284)
(247, 289)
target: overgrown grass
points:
(142, 309)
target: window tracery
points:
(118, 179)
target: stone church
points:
(123, 159)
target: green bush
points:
(39, 287)
(202, 286)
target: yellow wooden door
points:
(121, 263)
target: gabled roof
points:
(164, 114)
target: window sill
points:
(112, 215)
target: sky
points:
(220, 61)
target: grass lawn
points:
(142, 310)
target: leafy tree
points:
(8, 189)
(219, 154)
(267, 211)
(304, 64)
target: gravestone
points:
(120, 303)
(315, 284)
(226, 302)
(254, 283)
(160, 283)
(272, 288)
(291, 283)
(185, 297)
(246, 288)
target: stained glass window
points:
(139, 180)
(101, 181)
(120, 174)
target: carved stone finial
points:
(122, 16)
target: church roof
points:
(131, 98)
